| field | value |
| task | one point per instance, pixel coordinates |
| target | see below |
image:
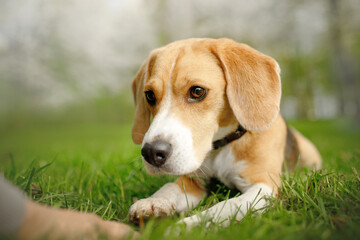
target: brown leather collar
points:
(238, 133)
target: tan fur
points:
(192, 186)
(263, 153)
(253, 83)
(308, 154)
(204, 71)
(292, 151)
(142, 114)
(243, 87)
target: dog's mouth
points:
(170, 156)
(172, 167)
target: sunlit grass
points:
(96, 168)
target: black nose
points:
(156, 152)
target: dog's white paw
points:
(194, 221)
(190, 222)
(151, 207)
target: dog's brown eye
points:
(150, 97)
(197, 94)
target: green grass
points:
(96, 168)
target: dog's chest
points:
(226, 168)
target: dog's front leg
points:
(234, 208)
(182, 195)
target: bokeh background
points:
(66, 67)
(75, 59)
(66, 105)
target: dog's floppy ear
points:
(253, 84)
(142, 113)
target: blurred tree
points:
(160, 21)
(343, 65)
(57, 52)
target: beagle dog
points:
(214, 105)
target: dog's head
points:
(193, 87)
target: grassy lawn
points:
(96, 168)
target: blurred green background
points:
(66, 66)
(66, 105)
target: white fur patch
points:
(227, 170)
(166, 127)
(182, 160)
(166, 201)
(151, 206)
(234, 208)
(172, 192)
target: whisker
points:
(206, 168)
(197, 176)
(202, 171)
